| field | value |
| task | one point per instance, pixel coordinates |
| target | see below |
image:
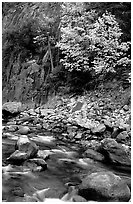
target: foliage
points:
(89, 43)
(85, 41)
(121, 10)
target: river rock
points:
(125, 108)
(18, 156)
(98, 129)
(122, 137)
(39, 162)
(11, 109)
(44, 154)
(12, 128)
(115, 132)
(114, 152)
(23, 130)
(27, 146)
(104, 186)
(93, 155)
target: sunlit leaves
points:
(89, 42)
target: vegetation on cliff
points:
(63, 47)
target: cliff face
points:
(23, 83)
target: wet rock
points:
(32, 112)
(11, 109)
(45, 112)
(44, 154)
(98, 129)
(93, 155)
(125, 108)
(38, 126)
(115, 132)
(28, 119)
(27, 146)
(12, 128)
(122, 137)
(107, 123)
(114, 152)
(104, 186)
(18, 156)
(11, 123)
(46, 141)
(39, 162)
(23, 130)
(45, 125)
(79, 135)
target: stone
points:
(125, 108)
(44, 154)
(115, 132)
(26, 146)
(45, 125)
(11, 109)
(18, 156)
(38, 126)
(23, 130)
(122, 137)
(98, 129)
(39, 162)
(79, 135)
(32, 112)
(104, 187)
(77, 107)
(11, 123)
(107, 123)
(114, 153)
(12, 128)
(45, 112)
(93, 155)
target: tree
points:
(90, 43)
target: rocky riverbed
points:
(77, 149)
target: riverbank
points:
(85, 132)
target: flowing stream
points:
(60, 169)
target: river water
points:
(60, 169)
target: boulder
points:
(44, 154)
(39, 162)
(98, 129)
(11, 109)
(104, 186)
(12, 128)
(125, 108)
(18, 157)
(122, 137)
(114, 152)
(23, 130)
(115, 132)
(26, 146)
(93, 155)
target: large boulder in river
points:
(115, 153)
(27, 146)
(25, 149)
(104, 187)
(11, 109)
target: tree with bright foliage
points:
(91, 43)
